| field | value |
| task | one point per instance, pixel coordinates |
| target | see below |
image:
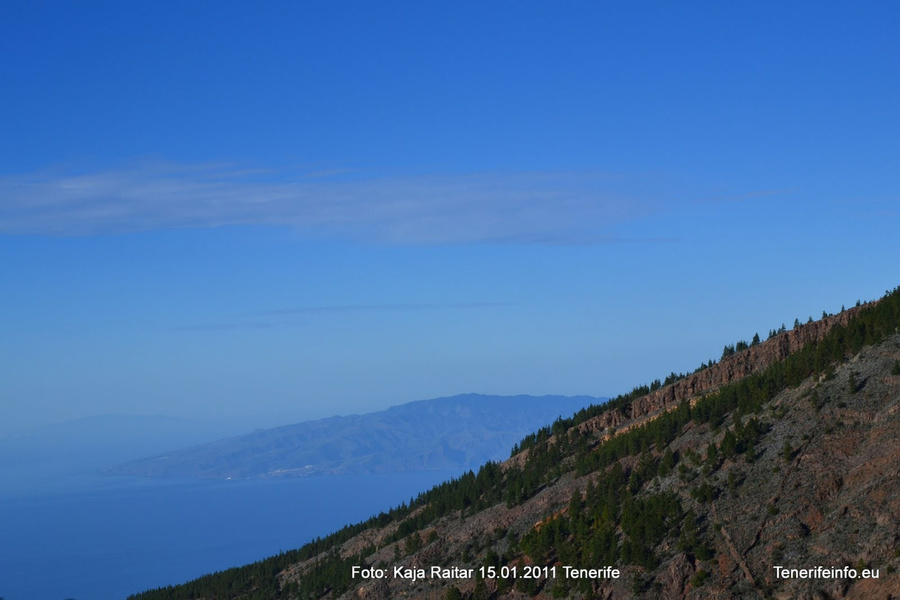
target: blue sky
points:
(301, 209)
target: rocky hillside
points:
(772, 473)
(755, 358)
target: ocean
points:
(103, 538)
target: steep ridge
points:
(782, 455)
(754, 359)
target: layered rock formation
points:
(832, 501)
(798, 496)
(731, 368)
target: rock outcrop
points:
(708, 511)
(731, 368)
(833, 502)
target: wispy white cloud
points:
(434, 209)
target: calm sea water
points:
(103, 538)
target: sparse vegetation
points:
(619, 520)
(787, 451)
(699, 578)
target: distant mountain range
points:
(68, 454)
(771, 473)
(459, 432)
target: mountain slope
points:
(460, 432)
(792, 464)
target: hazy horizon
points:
(303, 210)
(217, 217)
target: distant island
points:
(459, 432)
(769, 473)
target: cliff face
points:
(822, 490)
(731, 368)
(775, 486)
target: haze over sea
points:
(70, 532)
(104, 538)
(284, 211)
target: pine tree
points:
(787, 451)
(852, 383)
(453, 593)
(480, 592)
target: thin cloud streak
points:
(379, 308)
(746, 196)
(334, 309)
(525, 208)
(205, 327)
